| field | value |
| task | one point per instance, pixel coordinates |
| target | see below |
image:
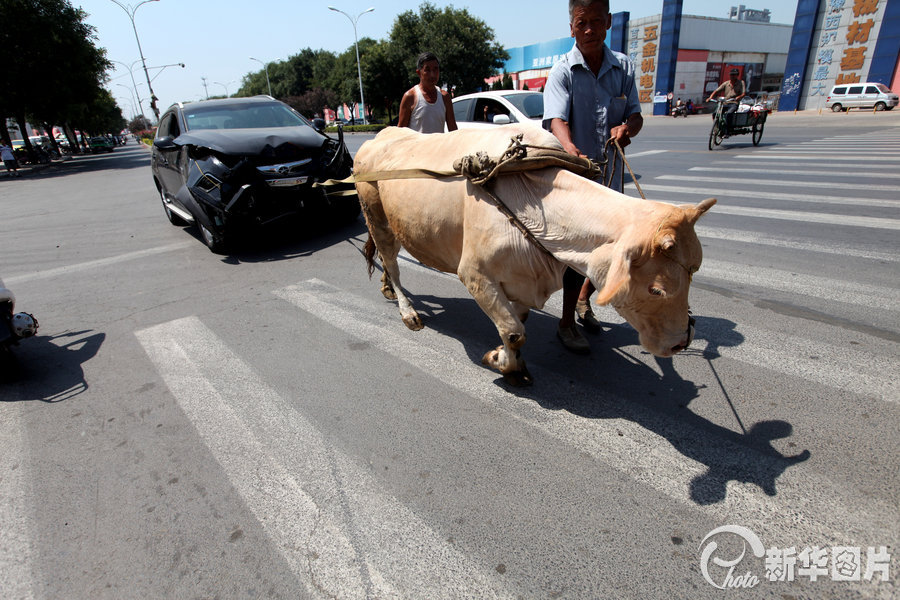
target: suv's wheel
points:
(879, 106)
(216, 243)
(173, 218)
(837, 107)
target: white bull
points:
(639, 254)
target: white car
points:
(499, 107)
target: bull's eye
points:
(657, 291)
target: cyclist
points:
(733, 90)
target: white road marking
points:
(835, 173)
(645, 153)
(759, 239)
(821, 157)
(94, 264)
(706, 192)
(828, 517)
(16, 547)
(732, 181)
(341, 534)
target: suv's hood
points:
(260, 142)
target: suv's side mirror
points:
(318, 125)
(164, 143)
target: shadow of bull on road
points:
(610, 383)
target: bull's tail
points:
(369, 252)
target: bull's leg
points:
(387, 288)
(389, 248)
(506, 315)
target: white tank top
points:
(427, 117)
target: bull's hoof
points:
(388, 292)
(413, 321)
(518, 378)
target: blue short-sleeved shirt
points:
(592, 105)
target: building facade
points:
(687, 56)
(840, 41)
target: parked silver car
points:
(861, 95)
(500, 107)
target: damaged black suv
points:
(226, 164)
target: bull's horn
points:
(702, 207)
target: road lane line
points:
(854, 174)
(643, 449)
(310, 499)
(17, 553)
(759, 239)
(94, 264)
(821, 157)
(732, 181)
(646, 153)
(812, 199)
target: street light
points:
(130, 91)
(224, 86)
(163, 68)
(134, 86)
(362, 99)
(130, 12)
(268, 85)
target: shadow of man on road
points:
(49, 368)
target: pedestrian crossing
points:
(372, 544)
(345, 534)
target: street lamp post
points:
(266, 66)
(224, 85)
(130, 12)
(362, 99)
(134, 87)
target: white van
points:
(861, 95)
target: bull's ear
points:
(617, 276)
(695, 212)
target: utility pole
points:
(205, 88)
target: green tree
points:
(464, 44)
(52, 70)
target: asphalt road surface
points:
(262, 425)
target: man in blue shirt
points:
(590, 97)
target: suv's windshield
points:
(883, 88)
(531, 105)
(250, 115)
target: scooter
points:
(13, 326)
(679, 110)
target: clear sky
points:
(215, 38)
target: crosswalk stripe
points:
(860, 168)
(745, 193)
(735, 235)
(17, 554)
(835, 290)
(785, 183)
(639, 451)
(851, 174)
(821, 157)
(809, 217)
(860, 370)
(365, 543)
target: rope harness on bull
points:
(482, 170)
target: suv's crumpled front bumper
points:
(261, 193)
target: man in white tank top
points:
(425, 107)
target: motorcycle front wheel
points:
(715, 136)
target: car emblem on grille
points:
(284, 170)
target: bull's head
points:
(647, 278)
